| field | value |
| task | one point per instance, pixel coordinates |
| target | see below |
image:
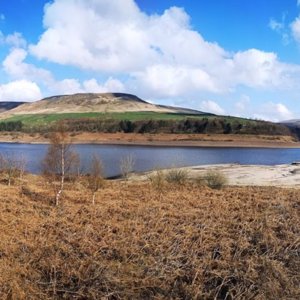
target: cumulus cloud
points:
(163, 56)
(170, 81)
(20, 90)
(258, 69)
(15, 39)
(71, 86)
(155, 56)
(274, 112)
(111, 85)
(212, 107)
(16, 67)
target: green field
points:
(46, 119)
(33, 120)
(142, 122)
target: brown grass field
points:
(185, 242)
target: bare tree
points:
(59, 160)
(126, 165)
(22, 162)
(12, 166)
(95, 176)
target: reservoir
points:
(148, 158)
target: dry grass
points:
(191, 243)
(177, 176)
(213, 179)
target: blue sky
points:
(230, 57)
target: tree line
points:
(11, 126)
(189, 125)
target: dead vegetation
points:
(190, 243)
(213, 179)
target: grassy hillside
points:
(190, 242)
(45, 119)
(115, 112)
(144, 122)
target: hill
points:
(91, 103)
(119, 112)
(5, 106)
(293, 125)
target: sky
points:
(230, 57)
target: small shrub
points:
(200, 181)
(178, 176)
(158, 180)
(215, 179)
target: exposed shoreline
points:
(285, 175)
(161, 140)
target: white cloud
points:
(153, 56)
(274, 112)
(162, 54)
(295, 27)
(169, 81)
(72, 86)
(281, 29)
(111, 85)
(275, 25)
(15, 39)
(212, 107)
(15, 67)
(20, 90)
(66, 86)
(256, 69)
(242, 105)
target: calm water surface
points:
(147, 157)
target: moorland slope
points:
(92, 102)
(136, 242)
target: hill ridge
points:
(93, 102)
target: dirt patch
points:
(187, 140)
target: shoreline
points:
(283, 175)
(161, 140)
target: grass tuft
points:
(213, 179)
(177, 176)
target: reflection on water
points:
(148, 158)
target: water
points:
(148, 158)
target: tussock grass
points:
(177, 176)
(236, 243)
(213, 179)
(158, 180)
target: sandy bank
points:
(247, 175)
(186, 140)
